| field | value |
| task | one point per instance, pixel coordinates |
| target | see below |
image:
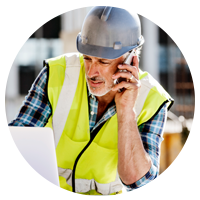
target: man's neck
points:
(107, 98)
(103, 103)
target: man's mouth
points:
(95, 82)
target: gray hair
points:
(137, 52)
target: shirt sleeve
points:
(152, 135)
(36, 109)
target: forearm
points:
(36, 109)
(151, 133)
(133, 160)
(33, 116)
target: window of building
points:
(175, 76)
(39, 26)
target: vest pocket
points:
(67, 151)
(98, 163)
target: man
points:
(106, 134)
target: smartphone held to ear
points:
(127, 60)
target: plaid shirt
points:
(36, 110)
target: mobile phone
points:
(127, 60)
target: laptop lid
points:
(29, 162)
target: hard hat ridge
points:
(106, 13)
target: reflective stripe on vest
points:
(71, 75)
(67, 92)
(85, 185)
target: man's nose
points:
(93, 70)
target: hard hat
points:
(109, 32)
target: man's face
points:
(99, 73)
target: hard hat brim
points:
(99, 51)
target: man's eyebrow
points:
(100, 59)
(105, 59)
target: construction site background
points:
(160, 57)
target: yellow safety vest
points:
(88, 164)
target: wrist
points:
(126, 114)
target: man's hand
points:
(127, 98)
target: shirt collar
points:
(91, 95)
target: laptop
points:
(29, 162)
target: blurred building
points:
(170, 33)
(174, 75)
(56, 37)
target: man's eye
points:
(105, 63)
(85, 58)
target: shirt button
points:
(92, 113)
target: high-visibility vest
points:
(88, 164)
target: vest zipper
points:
(92, 136)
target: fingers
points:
(129, 76)
(127, 72)
(135, 62)
(132, 69)
(132, 78)
(127, 86)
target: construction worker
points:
(107, 115)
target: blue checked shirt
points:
(36, 110)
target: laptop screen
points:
(29, 162)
